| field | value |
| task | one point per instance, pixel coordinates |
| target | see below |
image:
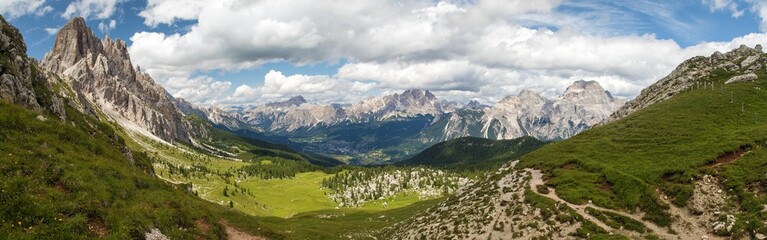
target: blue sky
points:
(234, 52)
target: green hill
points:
(472, 152)
(664, 148)
(48, 186)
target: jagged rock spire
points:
(74, 42)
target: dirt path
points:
(729, 157)
(537, 179)
(235, 234)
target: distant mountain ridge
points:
(429, 119)
(582, 105)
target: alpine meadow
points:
(379, 119)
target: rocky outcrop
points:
(103, 73)
(742, 78)
(743, 60)
(22, 81)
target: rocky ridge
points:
(694, 72)
(22, 80)
(103, 74)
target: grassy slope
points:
(472, 152)
(620, 164)
(70, 180)
(344, 223)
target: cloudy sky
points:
(252, 51)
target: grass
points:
(344, 223)
(617, 221)
(71, 180)
(619, 165)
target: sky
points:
(239, 52)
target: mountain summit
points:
(103, 73)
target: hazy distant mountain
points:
(429, 120)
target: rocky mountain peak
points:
(103, 73)
(475, 105)
(528, 94)
(292, 102)
(416, 94)
(584, 86)
(74, 42)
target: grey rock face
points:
(694, 70)
(583, 104)
(22, 80)
(102, 72)
(742, 78)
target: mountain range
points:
(417, 119)
(94, 148)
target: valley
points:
(93, 147)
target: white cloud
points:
(317, 88)
(98, 9)
(17, 8)
(51, 31)
(729, 5)
(106, 27)
(201, 90)
(168, 11)
(459, 49)
(759, 7)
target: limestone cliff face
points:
(693, 73)
(22, 81)
(103, 73)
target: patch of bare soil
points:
(729, 157)
(236, 234)
(97, 227)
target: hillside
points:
(690, 166)
(473, 153)
(53, 153)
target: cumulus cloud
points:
(319, 88)
(17, 8)
(168, 11)
(99, 9)
(203, 90)
(105, 27)
(481, 49)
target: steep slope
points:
(21, 79)
(67, 175)
(103, 73)
(691, 166)
(689, 74)
(473, 153)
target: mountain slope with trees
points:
(473, 153)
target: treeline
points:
(355, 186)
(279, 168)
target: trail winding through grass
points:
(537, 179)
